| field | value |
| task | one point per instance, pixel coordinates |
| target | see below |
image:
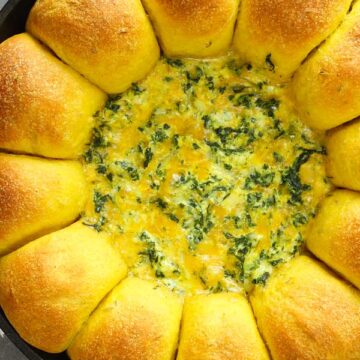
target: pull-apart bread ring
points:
(327, 86)
(37, 196)
(46, 108)
(221, 327)
(305, 312)
(110, 42)
(343, 161)
(193, 28)
(334, 236)
(137, 321)
(279, 34)
(49, 287)
(201, 179)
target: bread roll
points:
(343, 161)
(327, 86)
(334, 235)
(137, 321)
(110, 42)
(219, 327)
(49, 287)
(304, 312)
(193, 28)
(279, 34)
(46, 108)
(37, 196)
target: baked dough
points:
(110, 42)
(154, 188)
(219, 327)
(49, 287)
(334, 236)
(37, 196)
(305, 312)
(46, 108)
(327, 87)
(279, 34)
(193, 28)
(137, 321)
(343, 149)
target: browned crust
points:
(133, 338)
(221, 327)
(340, 71)
(138, 321)
(327, 86)
(33, 194)
(286, 30)
(346, 247)
(334, 235)
(17, 202)
(101, 38)
(290, 22)
(19, 87)
(305, 312)
(343, 162)
(49, 287)
(84, 25)
(197, 17)
(44, 105)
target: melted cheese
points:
(204, 175)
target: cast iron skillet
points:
(12, 21)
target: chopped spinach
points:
(269, 63)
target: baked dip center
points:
(204, 175)
(201, 176)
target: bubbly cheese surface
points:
(204, 175)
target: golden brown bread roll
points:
(110, 42)
(137, 321)
(334, 235)
(37, 196)
(327, 86)
(193, 28)
(304, 312)
(219, 327)
(279, 34)
(46, 108)
(49, 287)
(343, 161)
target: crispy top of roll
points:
(279, 34)
(221, 327)
(343, 161)
(327, 86)
(37, 196)
(138, 321)
(49, 287)
(111, 42)
(46, 108)
(196, 28)
(334, 235)
(63, 282)
(305, 312)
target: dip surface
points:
(204, 175)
